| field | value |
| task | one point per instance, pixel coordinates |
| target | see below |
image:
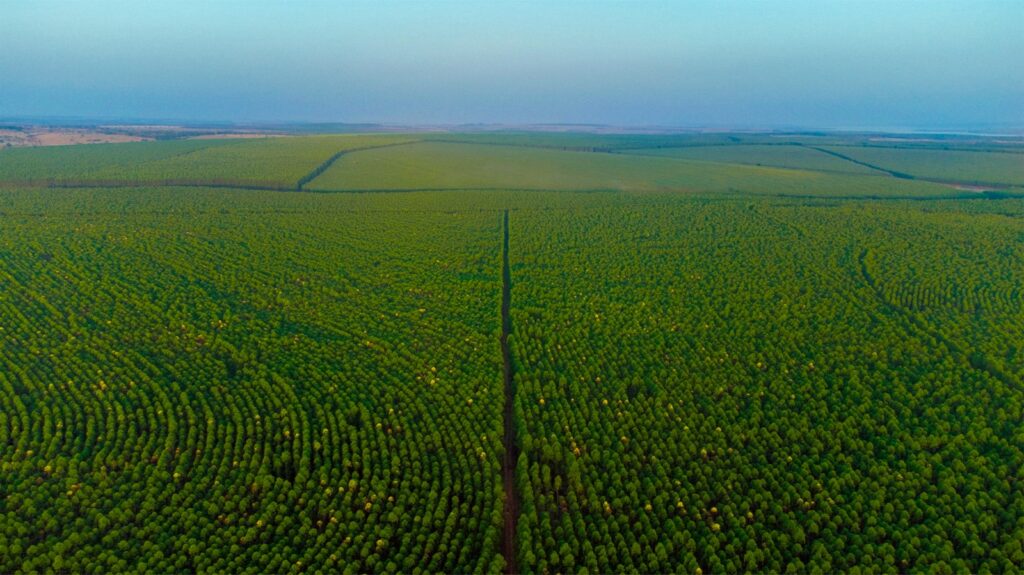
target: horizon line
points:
(75, 121)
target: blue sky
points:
(820, 63)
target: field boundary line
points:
(893, 173)
(510, 458)
(317, 171)
(906, 176)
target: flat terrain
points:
(19, 136)
(435, 165)
(30, 135)
(540, 353)
(268, 162)
(971, 167)
(782, 156)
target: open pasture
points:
(797, 157)
(969, 167)
(60, 164)
(281, 162)
(434, 165)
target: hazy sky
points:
(813, 63)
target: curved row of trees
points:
(719, 387)
(222, 392)
(205, 380)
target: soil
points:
(61, 137)
(508, 466)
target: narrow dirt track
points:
(508, 466)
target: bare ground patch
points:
(62, 137)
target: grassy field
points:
(269, 162)
(433, 165)
(74, 163)
(782, 156)
(711, 163)
(970, 167)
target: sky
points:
(928, 64)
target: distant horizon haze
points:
(327, 126)
(948, 65)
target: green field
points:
(432, 165)
(267, 162)
(782, 156)
(711, 366)
(969, 167)
(74, 163)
